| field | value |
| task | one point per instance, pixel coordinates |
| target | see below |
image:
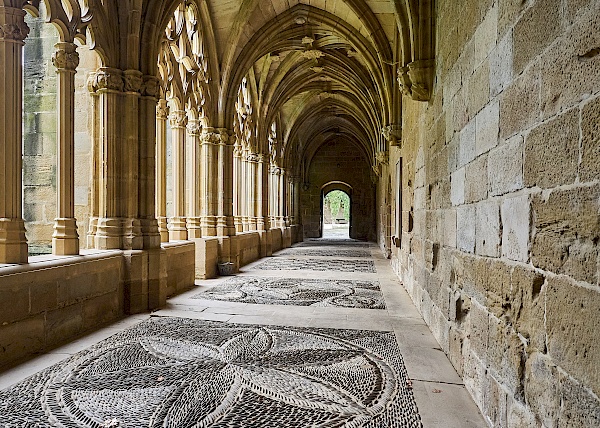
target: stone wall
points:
(501, 201)
(46, 303)
(340, 162)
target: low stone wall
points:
(249, 247)
(181, 262)
(46, 303)
(277, 239)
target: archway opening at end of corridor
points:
(335, 214)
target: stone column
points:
(237, 187)
(108, 85)
(252, 179)
(129, 150)
(261, 220)
(13, 31)
(95, 170)
(65, 240)
(177, 224)
(147, 163)
(195, 180)
(209, 172)
(282, 198)
(245, 192)
(162, 113)
(225, 222)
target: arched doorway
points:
(336, 211)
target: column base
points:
(13, 243)
(150, 233)
(177, 229)
(108, 234)
(65, 240)
(209, 225)
(194, 228)
(92, 230)
(163, 229)
(132, 234)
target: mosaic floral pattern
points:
(339, 265)
(325, 252)
(322, 242)
(297, 291)
(179, 373)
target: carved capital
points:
(313, 54)
(150, 87)
(252, 157)
(382, 157)
(416, 79)
(65, 58)
(215, 136)
(105, 78)
(392, 134)
(14, 31)
(194, 127)
(178, 119)
(132, 81)
(162, 110)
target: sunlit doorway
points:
(336, 215)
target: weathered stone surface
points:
(553, 143)
(506, 356)
(567, 229)
(580, 407)
(572, 327)
(20, 339)
(501, 64)
(589, 168)
(508, 12)
(479, 331)
(516, 225)
(527, 306)
(505, 167)
(495, 402)
(487, 230)
(498, 288)
(542, 391)
(537, 28)
(476, 180)
(571, 68)
(457, 182)
(465, 228)
(487, 123)
(520, 103)
(467, 145)
(479, 89)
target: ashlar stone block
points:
(589, 169)
(465, 228)
(520, 103)
(501, 64)
(487, 231)
(476, 180)
(457, 189)
(516, 226)
(551, 144)
(505, 167)
(487, 126)
(572, 327)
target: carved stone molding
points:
(313, 54)
(215, 136)
(194, 127)
(132, 81)
(162, 110)
(252, 157)
(416, 79)
(178, 119)
(17, 31)
(65, 57)
(393, 135)
(150, 86)
(105, 78)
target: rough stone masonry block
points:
(457, 189)
(571, 67)
(542, 391)
(479, 89)
(505, 167)
(487, 229)
(580, 408)
(498, 288)
(516, 226)
(572, 328)
(567, 233)
(466, 148)
(465, 228)
(501, 63)
(506, 356)
(476, 180)
(487, 126)
(520, 103)
(552, 152)
(528, 300)
(589, 168)
(537, 28)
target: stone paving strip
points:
(175, 372)
(325, 252)
(298, 291)
(340, 265)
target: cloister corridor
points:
(299, 213)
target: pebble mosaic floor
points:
(338, 265)
(177, 373)
(323, 252)
(299, 292)
(328, 242)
